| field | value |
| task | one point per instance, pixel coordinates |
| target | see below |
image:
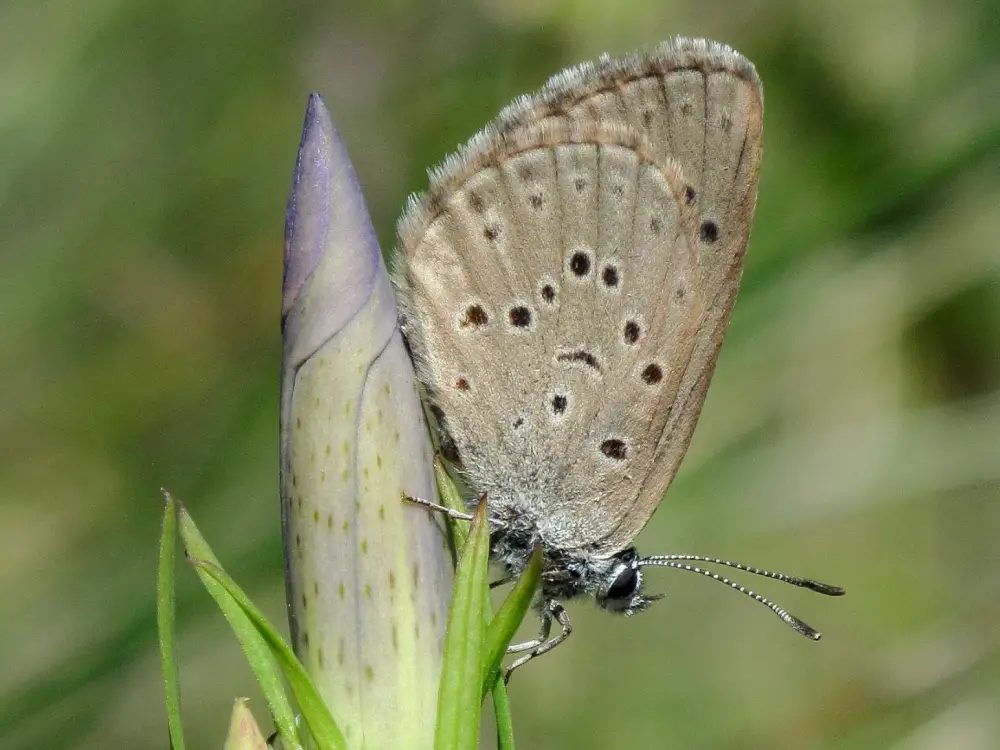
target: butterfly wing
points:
(568, 279)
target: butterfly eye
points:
(625, 584)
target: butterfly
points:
(565, 284)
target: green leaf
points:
(508, 619)
(322, 727)
(459, 696)
(316, 715)
(501, 711)
(253, 643)
(165, 621)
(449, 496)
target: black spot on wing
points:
(580, 356)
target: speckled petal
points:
(368, 578)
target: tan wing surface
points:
(569, 276)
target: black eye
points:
(624, 585)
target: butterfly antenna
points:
(680, 562)
(805, 583)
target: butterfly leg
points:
(543, 643)
(502, 582)
(450, 512)
(543, 635)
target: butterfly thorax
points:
(614, 581)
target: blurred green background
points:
(852, 432)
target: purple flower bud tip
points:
(326, 210)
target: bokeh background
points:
(852, 432)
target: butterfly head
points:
(620, 585)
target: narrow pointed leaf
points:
(508, 619)
(317, 717)
(459, 698)
(450, 497)
(165, 621)
(501, 711)
(254, 646)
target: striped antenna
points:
(680, 562)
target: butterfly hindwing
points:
(567, 280)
